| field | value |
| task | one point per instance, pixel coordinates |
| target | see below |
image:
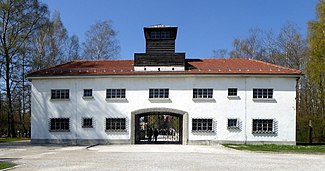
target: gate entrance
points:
(158, 128)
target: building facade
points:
(161, 97)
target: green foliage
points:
(316, 39)
(279, 148)
(5, 140)
(5, 165)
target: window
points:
(158, 93)
(232, 124)
(202, 93)
(87, 122)
(232, 91)
(116, 124)
(262, 93)
(155, 35)
(60, 94)
(88, 92)
(60, 124)
(115, 93)
(202, 125)
(160, 35)
(165, 35)
(263, 126)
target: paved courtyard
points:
(152, 157)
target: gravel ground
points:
(152, 157)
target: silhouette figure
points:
(156, 134)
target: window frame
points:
(230, 122)
(60, 94)
(87, 94)
(263, 127)
(232, 92)
(91, 125)
(115, 93)
(119, 124)
(203, 125)
(263, 93)
(155, 35)
(158, 93)
(165, 35)
(202, 93)
(59, 125)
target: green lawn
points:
(3, 140)
(279, 148)
(4, 165)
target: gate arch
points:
(184, 115)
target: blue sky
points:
(202, 25)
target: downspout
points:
(76, 113)
(246, 110)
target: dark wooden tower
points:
(160, 48)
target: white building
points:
(188, 101)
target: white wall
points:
(282, 109)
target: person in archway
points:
(149, 134)
(155, 133)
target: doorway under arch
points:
(159, 126)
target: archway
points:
(169, 125)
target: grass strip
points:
(279, 148)
(4, 140)
(5, 165)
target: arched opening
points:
(159, 126)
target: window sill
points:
(233, 97)
(203, 132)
(160, 100)
(263, 100)
(204, 100)
(113, 130)
(264, 133)
(59, 130)
(233, 127)
(88, 97)
(117, 100)
(87, 127)
(59, 100)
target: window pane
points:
(254, 93)
(195, 93)
(150, 93)
(205, 93)
(270, 93)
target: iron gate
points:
(158, 128)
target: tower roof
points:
(160, 26)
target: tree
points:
(316, 40)
(288, 48)
(250, 47)
(51, 44)
(19, 20)
(291, 48)
(73, 48)
(101, 42)
(316, 61)
(220, 53)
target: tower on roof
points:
(160, 50)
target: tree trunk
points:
(11, 122)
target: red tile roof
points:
(193, 66)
